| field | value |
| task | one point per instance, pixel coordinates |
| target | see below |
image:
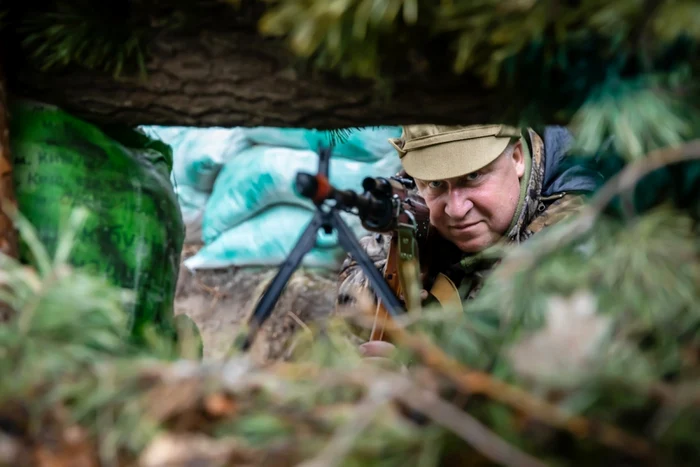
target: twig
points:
(465, 426)
(300, 322)
(341, 442)
(475, 382)
(210, 290)
(584, 221)
(401, 388)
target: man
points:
(483, 184)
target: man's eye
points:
(473, 176)
(435, 185)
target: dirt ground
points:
(220, 301)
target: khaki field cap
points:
(438, 152)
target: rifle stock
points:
(392, 278)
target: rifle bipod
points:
(374, 210)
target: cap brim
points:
(453, 159)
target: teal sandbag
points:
(199, 153)
(192, 202)
(134, 233)
(266, 240)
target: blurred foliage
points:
(605, 327)
(622, 69)
(102, 36)
(350, 36)
(72, 376)
(493, 39)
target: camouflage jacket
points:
(554, 192)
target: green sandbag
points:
(135, 231)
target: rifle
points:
(387, 205)
(416, 254)
(409, 228)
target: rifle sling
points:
(409, 268)
(402, 270)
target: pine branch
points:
(475, 383)
(341, 443)
(99, 37)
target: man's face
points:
(473, 211)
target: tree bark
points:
(8, 234)
(237, 78)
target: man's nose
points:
(458, 204)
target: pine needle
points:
(97, 37)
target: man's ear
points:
(518, 159)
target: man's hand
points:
(423, 295)
(381, 353)
(380, 349)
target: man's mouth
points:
(464, 227)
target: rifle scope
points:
(375, 206)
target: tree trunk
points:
(237, 78)
(8, 234)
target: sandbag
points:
(266, 240)
(361, 144)
(192, 205)
(134, 232)
(199, 153)
(192, 202)
(262, 176)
